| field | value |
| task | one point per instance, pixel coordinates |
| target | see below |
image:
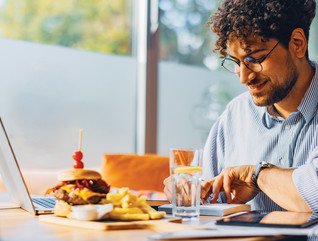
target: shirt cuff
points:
(306, 181)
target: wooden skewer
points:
(80, 140)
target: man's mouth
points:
(255, 88)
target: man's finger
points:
(167, 181)
(227, 188)
(183, 191)
(168, 194)
(168, 188)
(217, 185)
(206, 190)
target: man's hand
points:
(236, 180)
(206, 189)
(168, 188)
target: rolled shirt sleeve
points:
(305, 179)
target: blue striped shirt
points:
(305, 179)
(246, 134)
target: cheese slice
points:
(68, 188)
(84, 193)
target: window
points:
(67, 65)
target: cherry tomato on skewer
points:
(78, 156)
(78, 165)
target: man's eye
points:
(250, 60)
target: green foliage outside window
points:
(95, 25)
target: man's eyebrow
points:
(232, 57)
(248, 54)
(254, 51)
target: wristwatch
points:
(259, 167)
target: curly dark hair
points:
(238, 19)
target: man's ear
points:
(298, 43)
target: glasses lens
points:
(230, 65)
(252, 64)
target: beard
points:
(276, 92)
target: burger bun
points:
(78, 174)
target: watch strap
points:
(258, 168)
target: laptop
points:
(19, 196)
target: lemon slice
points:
(188, 169)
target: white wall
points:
(48, 93)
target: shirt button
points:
(287, 127)
(283, 161)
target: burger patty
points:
(68, 191)
(99, 186)
(75, 199)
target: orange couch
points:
(137, 172)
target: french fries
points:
(129, 207)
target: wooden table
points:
(17, 224)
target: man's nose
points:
(245, 74)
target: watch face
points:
(263, 163)
(266, 164)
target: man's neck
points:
(289, 105)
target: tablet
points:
(279, 219)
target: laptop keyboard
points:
(46, 202)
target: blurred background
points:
(73, 64)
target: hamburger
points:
(78, 187)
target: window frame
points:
(146, 52)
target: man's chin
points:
(261, 101)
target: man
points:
(265, 43)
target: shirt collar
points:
(308, 104)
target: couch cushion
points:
(138, 172)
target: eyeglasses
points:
(255, 65)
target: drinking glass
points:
(186, 173)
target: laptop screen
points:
(11, 175)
